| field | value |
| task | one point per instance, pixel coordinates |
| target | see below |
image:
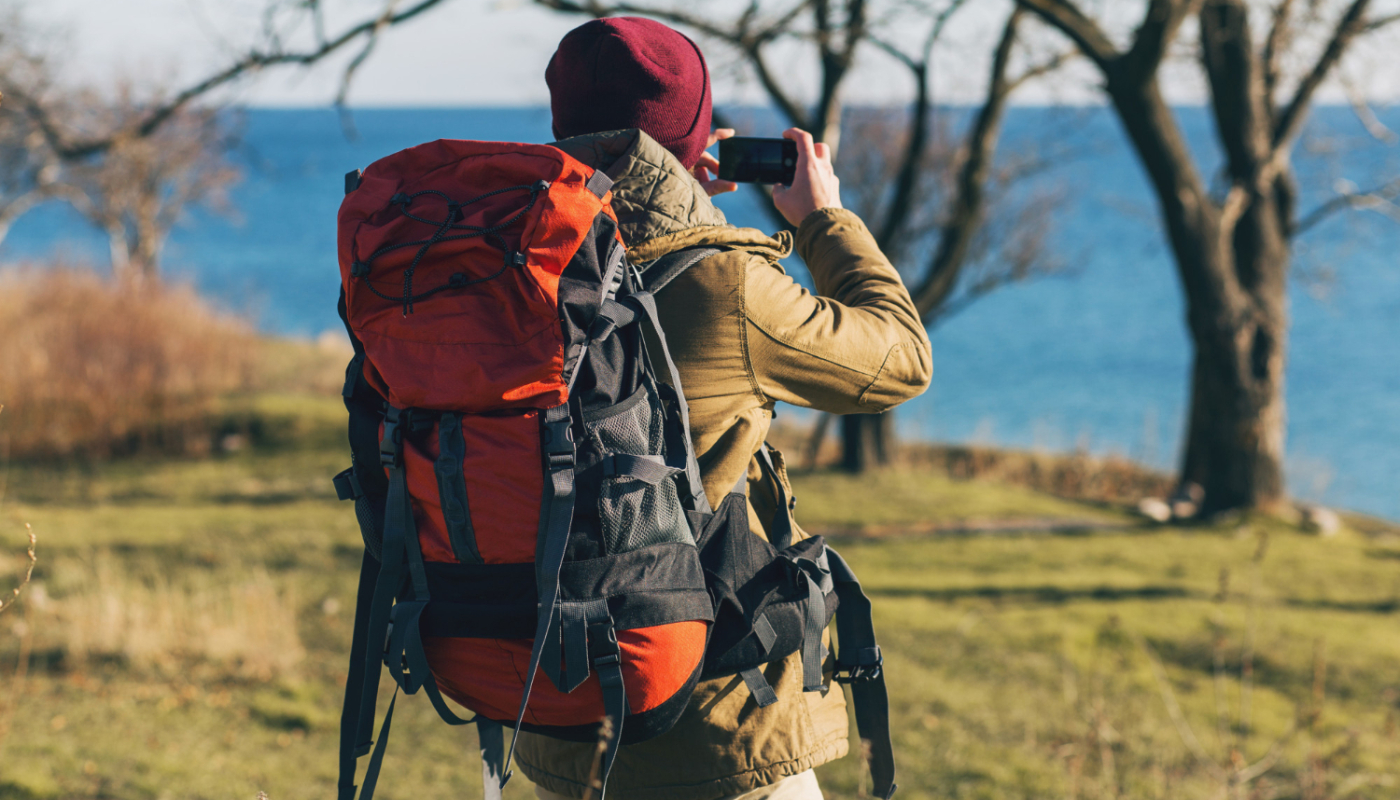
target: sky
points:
(493, 52)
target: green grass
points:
(1018, 665)
(899, 499)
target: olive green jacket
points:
(744, 336)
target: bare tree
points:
(1232, 247)
(137, 190)
(136, 186)
(914, 188)
(29, 170)
(836, 31)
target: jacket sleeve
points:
(858, 346)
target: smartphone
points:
(744, 159)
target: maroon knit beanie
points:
(628, 72)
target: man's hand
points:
(709, 164)
(814, 185)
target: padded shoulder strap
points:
(662, 271)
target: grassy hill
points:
(186, 633)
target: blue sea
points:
(1095, 357)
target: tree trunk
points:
(867, 440)
(1235, 439)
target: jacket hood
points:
(660, 206)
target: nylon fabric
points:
(780, 529)
(354, 715)
(759, 687)
(650, 470)
(452, 489)
(557, 439)
(856, 631)
(697, 500)
(657, 274)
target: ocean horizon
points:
(1094, 358)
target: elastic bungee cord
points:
(361, 269)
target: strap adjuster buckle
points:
(391, 444)
(868, 669)
(558, 443)
(602, 643)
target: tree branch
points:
(1159, 26)
(911, 163)
(1236, 88)
(1279, 35)
(965, 217)
(1380, 199)
(741, 37)
(347, 123)
(1377, 24)
(1365, 114)
(1348, 27)
(159, 114)
(1082, 30)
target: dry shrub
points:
(94, 367)
(1075, 476)
(247, 630)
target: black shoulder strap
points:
(860, 664)
(662, 271)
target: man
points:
(632, 97)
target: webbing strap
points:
(780, 529)
(667, 268)
(398, 525)
(763, 629)
(859, 657)
(354, 713)
(759, 688)
(452, 489)
(599, 183)
(377, 759)
(695, 488)
(648, 469)
(606, 658)
(491, 736)
(812, 637)
(551, 542)
(572, 633)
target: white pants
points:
(797, 787)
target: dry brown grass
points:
(1074, 476)
(93, 367)
(1077, 476)
(247, 630)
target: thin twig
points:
(28, 573)
(595, 771)
(1380, 199)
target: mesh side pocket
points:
(633, 513)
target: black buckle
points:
(559, 444)
(391, 445)
(359, 269)
(867, 670)
(603, 649)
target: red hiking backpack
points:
(525, 482)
